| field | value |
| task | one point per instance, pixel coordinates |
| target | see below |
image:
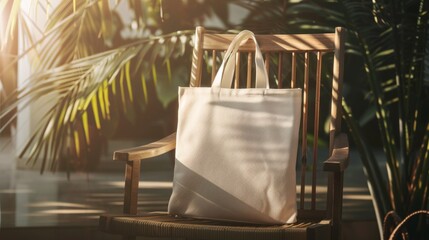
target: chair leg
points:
(132, 177)
(338, 203)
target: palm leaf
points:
(390, 38)
(77, 86)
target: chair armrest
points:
(146, 151)
(339, 159)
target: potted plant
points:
(388, 71)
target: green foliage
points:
(392, 36)
(386, 68)
(95, 77)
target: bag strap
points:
(227, 67)
(225, 73)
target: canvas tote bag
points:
(236, 148)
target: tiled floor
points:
(29, 199)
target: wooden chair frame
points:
(292, 44)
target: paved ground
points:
(29, 199)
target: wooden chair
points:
(295, 60)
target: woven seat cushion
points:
(164, 225)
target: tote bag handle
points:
(226, 70)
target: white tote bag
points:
(236, 148)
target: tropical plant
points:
(95, 76)
(387, 70)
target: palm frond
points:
(390, 39)
(82, 90)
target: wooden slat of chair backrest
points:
(277, 48)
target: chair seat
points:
(164, 225)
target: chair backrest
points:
(312, 62)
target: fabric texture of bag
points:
(236, 148)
